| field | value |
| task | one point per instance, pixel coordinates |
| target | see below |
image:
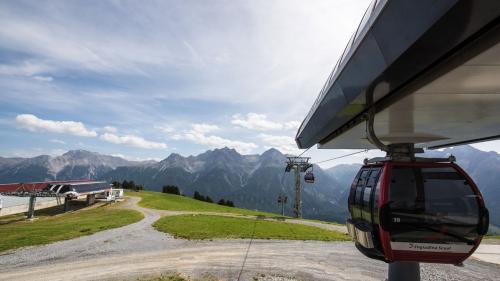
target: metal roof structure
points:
(9, 187)
(430, 70)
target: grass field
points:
(208, 227)
(49, 226)
(164, 201)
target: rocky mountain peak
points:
(173, 157)
(272, 157)
(79, 153)
(221, 155)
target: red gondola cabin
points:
(412, 211)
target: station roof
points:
(10, 187)
(430, 69)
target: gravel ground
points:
(138, 250)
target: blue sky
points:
(143, 79)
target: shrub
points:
(172, 189)
(198, 196)
(131, 185)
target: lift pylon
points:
(298, 165)
(282, 199)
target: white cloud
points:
(285, 144)
(259, 122)
(293, 125)
(43, 78)
(35, 151)
(33, 123)
(165, 129)
(57, 141)
(132, 158)
(212, 64)
(282, 68)
(110, 129)
(198, 134)
(132, 140)
(204, 128)
(25, 68)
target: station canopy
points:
(430, 70)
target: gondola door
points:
(363, 207)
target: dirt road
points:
(137, 250)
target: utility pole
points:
(299, 165)
(282, 199)
(31, 208)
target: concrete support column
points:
(90, 199)
(404, 271)
(66, 204)
(31, 207)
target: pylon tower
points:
(298, 165)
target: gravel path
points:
(137, 250)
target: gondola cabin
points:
(416, 211)
(309, 177)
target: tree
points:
(200, 197)
(172, 189)
(132, 186)
(222, 202)
(116, 184)
(197, 195)
(229, 203)
(126, 184)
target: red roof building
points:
(9, 187)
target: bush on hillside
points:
(171, 189)
(128, 184)
(131, 185)
(207, 198)
(198, 196)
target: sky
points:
(143, 79)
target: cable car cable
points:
(338, 157)
(304, 151)
(282, 178)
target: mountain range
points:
(250, 181)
